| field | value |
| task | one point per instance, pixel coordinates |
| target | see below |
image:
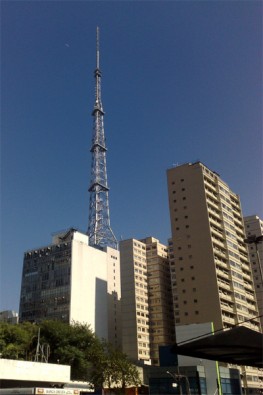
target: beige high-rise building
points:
(254, 234)
(211, 274)
(147, 316)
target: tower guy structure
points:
(99, 229)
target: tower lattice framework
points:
(99, 229)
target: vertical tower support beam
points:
(99, 229)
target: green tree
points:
(17, 341)
(113, 369)
(76, 345)
(73, 345)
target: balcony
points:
(219, 243)
(248, 286)
(242, 248)
(226, 307)
(219, 252)
(246, 276)
(213, 203)
(224, 295)
(218, 232)
(250, 296)
(220, 263)
(224, 284)
(228, 319)
(210, 185)
(213, 211)
(222, 273)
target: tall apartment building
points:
(71, 281)
(212, 279)
(254, 234)
(147, 319)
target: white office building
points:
(71, 281)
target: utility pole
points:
(178, 379)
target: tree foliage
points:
(76, 345)
(17, 341)
(112, 369)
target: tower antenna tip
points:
(98, 47)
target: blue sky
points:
(182, 81)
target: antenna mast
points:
(99, 230)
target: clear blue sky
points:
(182, 81)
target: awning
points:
(240, 345)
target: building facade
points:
(147, 316)
(254, 234)
(73, 282)
(211, 274)
(9, 316)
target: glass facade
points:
(45, 290)
(190, 385)
(230, 386)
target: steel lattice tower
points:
(99, 230)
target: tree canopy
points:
(90, 358)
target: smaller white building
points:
(14, 370)
(26, 377)
(9, 316)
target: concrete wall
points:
(23, 370)
(89, 286)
